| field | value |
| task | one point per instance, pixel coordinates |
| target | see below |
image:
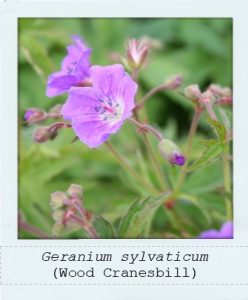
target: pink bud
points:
(173, 82)
(57, 229)
(42, 134)
(192, 92)
(75, 190)
(137, 53)
(207, 96)
(58, 199)
(220, 91)
(34, 115)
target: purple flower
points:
(74, 69)
(98, 111)
(226, 232)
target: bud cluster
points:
(36, 115)
(68, 210)
(214, 94)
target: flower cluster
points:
(100, 98)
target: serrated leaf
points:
(220, 129)
(139, 216)
(36, 55)
(207, 156)
(103, 228)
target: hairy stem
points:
(191, 135)
(32, 229)
(86, 226)
(147, 128)
(148, 145)
(127, 167)
(155, 162)
(227, 186)
(152, 92)
(210, 110)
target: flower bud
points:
(42, 134)
(226, 92)
(137, 53)
(58, 199)
(173, 82)
(207, 96)
(58, 227)
(220, 91)
(171, 152)
(75, 190)
(34, 115)
(192, 92)
(58, 215)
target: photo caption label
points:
(120, 265)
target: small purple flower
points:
(74, 71)
(226, 232)
(98, 111)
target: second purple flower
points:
(74, 71)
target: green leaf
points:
(211, 153)
(139, 216)
(220, 129)
(36, 55)
(103, 228)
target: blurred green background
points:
(198, 49)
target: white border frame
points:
(12, 10)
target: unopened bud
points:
(226, 92)
(192, 92)
(42, 134)
(58, 199)
(58, 227)
(220, 91)
(137, 53)
(173, 82)
(58, 215)
(34, 115)
(171, 152)
(75, 190)
(206, 97)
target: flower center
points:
(110, 110)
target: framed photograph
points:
(123, 150)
